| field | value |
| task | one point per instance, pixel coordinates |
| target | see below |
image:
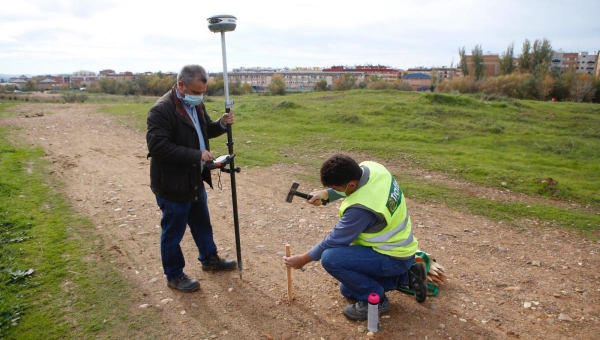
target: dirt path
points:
(504, 283)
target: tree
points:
(434, 77)
(544, 84)
(477, 59)
(562, 84)
(463, 62)
(506, 61)
(107, 85)
(373, 78)
(321, 85)
(541, 55)
(128, 87)
(235, 87)
(216, 87)
(525, 58)
(247, 88)
(597, 88)
(402, 86)
(159, 84)
(277, 86)
(345, 83)
(141, 82)
(583, 88)
(30, 85)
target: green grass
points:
(71, 293)
(468, 139)
(518, 143)
(514, 213)
(486, 142)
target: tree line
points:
(159, 84)
(533, 76)
(149, 85)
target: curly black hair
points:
(339, 170)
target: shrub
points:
(402, 86)
(507, 85)
(562, 87)
(277, 86)
(459, 84)
(74, 97)
(320, 86)
(379, 85)
(345, 83)
(583, 88)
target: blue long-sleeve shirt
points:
(353, 222)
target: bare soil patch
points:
(503, 282)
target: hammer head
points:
(292, 191)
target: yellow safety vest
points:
(382, 195)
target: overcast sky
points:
(64, 36)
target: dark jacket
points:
(174, 148)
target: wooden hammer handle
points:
(288, 253)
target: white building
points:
(586, 63)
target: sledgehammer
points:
(293, 192)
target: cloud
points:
(66, 35)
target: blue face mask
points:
(192, 100)
(342, 193)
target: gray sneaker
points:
(360, 310)
(184, 284)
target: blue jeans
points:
(362, 271)
(175, 217)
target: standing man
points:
(372, 247)
(178, 143)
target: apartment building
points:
(106, 72)
(418, 81)
(598, 64)
(119, 76)
(84, 73)
(442, 72)
(384, 72)
(299, 79)
(567, 62)
(305, 78)
(49, 82)
(257, 77)
(586, 63)
(491, 65)
(18, 81)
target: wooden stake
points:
(288, 253)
